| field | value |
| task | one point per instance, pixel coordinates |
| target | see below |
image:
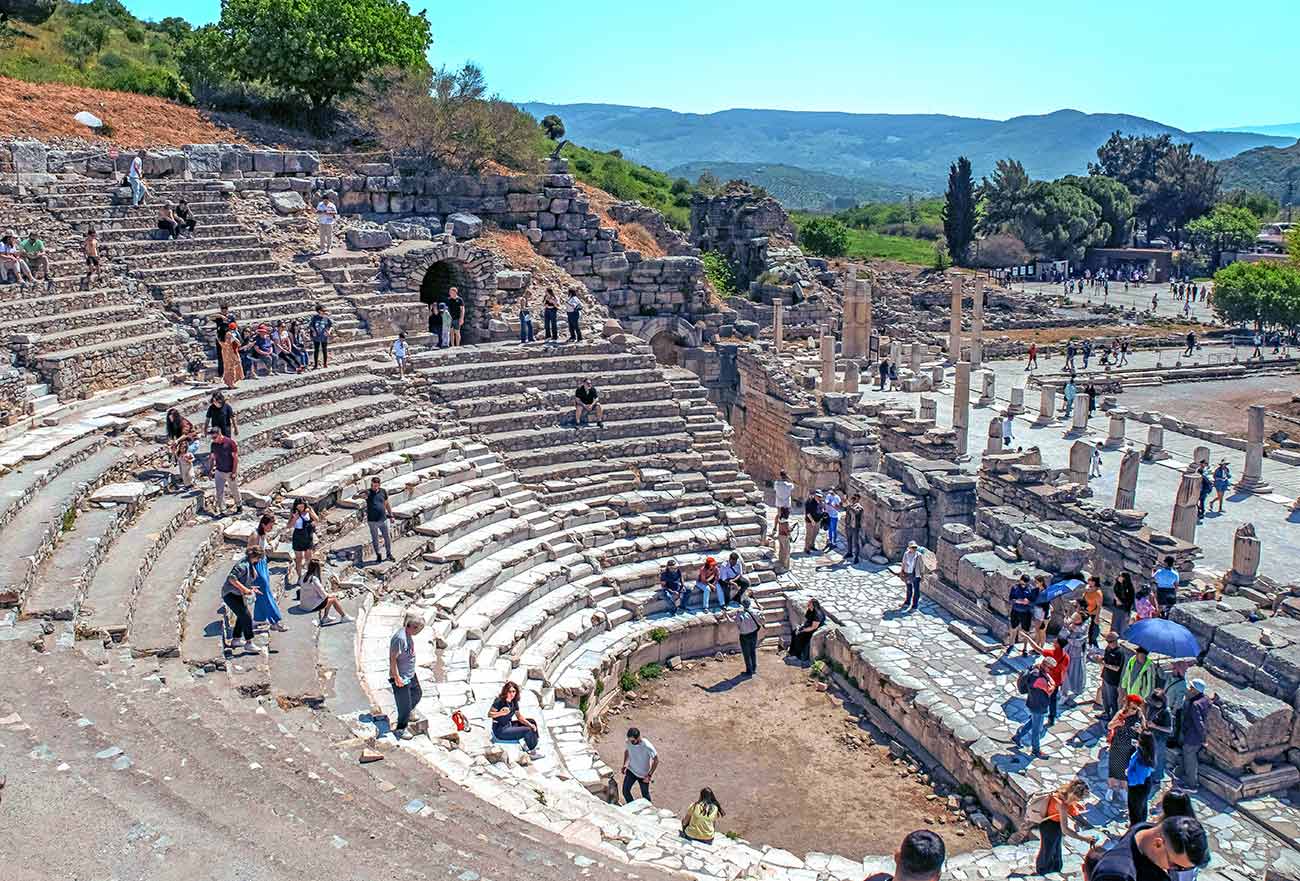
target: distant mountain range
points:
(900, 153)
(798, 188)
(1268, 169)
(1289, 130)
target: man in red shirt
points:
(1056, 651)
(225, 470)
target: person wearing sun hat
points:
(1195, 713)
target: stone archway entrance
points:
(432, 268)
(667, 336)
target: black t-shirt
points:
(1124, 596)
(812, 508)
(1112, 656)
(375, 499)
(221, 417)
(502, 721)
(223, 327)
(1125, 862)
(456, 307)
(586, 395)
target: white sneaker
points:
(405, 734)
(535, 754)
(236, 643)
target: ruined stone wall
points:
(13, 396)
(739, 224)
(674, 242)
(1137, 550)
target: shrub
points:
(941, 260)
(653, 670)
(582, 705)
(582, 166)
(825, 237)
(819, 670)
(627, 680)
(999, 250)
(600, 688)
(681, 185)
(719, 273)
(659, 634)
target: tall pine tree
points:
(959, 210)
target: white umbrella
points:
(88, 119)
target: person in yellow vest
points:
(1139, 676)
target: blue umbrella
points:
(1163, 637)
(1059, 589)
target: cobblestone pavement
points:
(982, 687)
(1136, 297)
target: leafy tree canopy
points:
(553, 126)
(1226, 228)
(825, 237)
(959, 210)
(1115, 202)
(1262, 294)
(1262, 205)
(1062, 222)
(321, 49)
(1003, 193)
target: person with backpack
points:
(1140, 775)
(1054, 813)
(1036, 685)
(1122, 733)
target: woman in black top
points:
(435, 324)
(509, 724)
(302, 520)
(1124, 599)
(813, 619)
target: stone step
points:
(80, 337)
(133, 249)
(34, 528)
(54, 304)
(273, 278)
(151, 232)
(110, 596)
(530, 368)
(49, 325)
(536, 416)
(535, 440)
(199, 255)
(205, 270)
(578, 457)
(60, 583)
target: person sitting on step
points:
(509, 724)
(670, 584)
(586, 403)
(732, 578)
(707, 579)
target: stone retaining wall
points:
(674, 243)
(13, 396)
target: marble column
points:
(936, 376)
(919, 351)
(895, 351)
(1245, 556)
(1252, 476)
(954, 322)
(828, 361)
(977, 328)
(988, 386)
(1017, 404)
(961, 407)
(1080, 412)
(852, 376)
(1201, 455)
(857, 316)
(995, 436)
(1115, 434)
(1183, 523)
(1080, 462)
(778, 326)
(929, 408)
(1155, 448)
(1126, 483)
(1046, 404)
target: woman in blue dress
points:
(1222, 480)
(265, 609)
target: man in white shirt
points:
(783, 489)
(326, 215)
(732, 578)
(912, 576)
(749, 621)
(640, 761)
(574, 313)
(135, 178)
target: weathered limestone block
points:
(1204, 618)
(1001, 524)
(986, 575)
(1054, 550)
(1238, 652)
(956, 541)
(1245, 556)
(1244, 725)
(464, 225)
(368, 239)
(288, 203)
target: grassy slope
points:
(627, 180)
(868, 242)
(135, 57)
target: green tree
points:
(1293, 245)
(1186, 186)
(322, 49)
(1262, 205)
(204, 62)
(825, 237)
(84, 39)
(553, 126)
(959, 210)
(1226, 228)
(1115, 202)
(1062, 222)
(1003, 196)
(1261, 294)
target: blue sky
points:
(1194, 64)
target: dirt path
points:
(790, 766)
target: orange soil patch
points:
(633, 235)
(45, 111)
(515, 247)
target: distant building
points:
(1156, 264)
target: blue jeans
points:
(833, 531)
(1034, 728)
(137, 190)
(526, 329)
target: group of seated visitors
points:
(19, 260)
(173, 219)
(728, 581)
(281, 347)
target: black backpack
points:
(1025, 681)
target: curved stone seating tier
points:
(34, 305)
(477, 410)
(146, 252)
(148, 231)
(36, 526)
